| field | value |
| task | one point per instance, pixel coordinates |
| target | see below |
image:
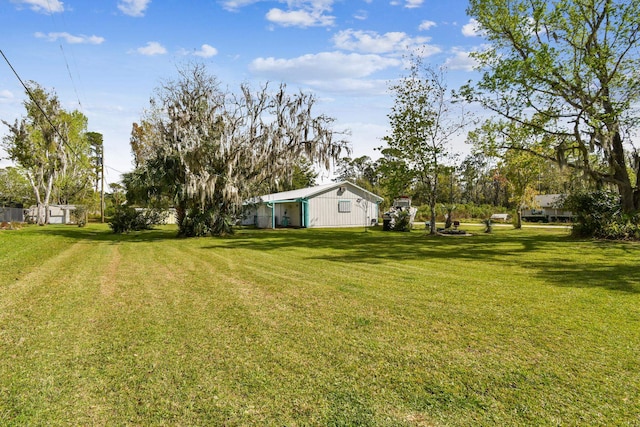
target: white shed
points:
(58, 214)
(341, 204)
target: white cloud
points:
(460, 60)
(299, 18)
(427, 25)
(372, 42)
(351, 87)
(299, 13)
(70, 38)
(237, 4)
(133, 7)
(43, 6)
(361, 15)
(471, 29)
(152, 48)
(323, 66)
(6, 96)
(411, 4)
(206, 51)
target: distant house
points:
(549, 208)
(341, 204)
(58, 214)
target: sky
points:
(105, 58)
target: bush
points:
(599, 214)
(199, 223)
(79, 215)
(402, 221)
(126, 219)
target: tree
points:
(304, 175)
(14, 188)
(37, 143)
(212, 149)
(74, 184)
(362, 171)
(96, 144)
(422, 125)
(522, 171)
(568, 71)
(142, 143)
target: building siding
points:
(323, 209)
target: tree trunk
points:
(432, 222)
(519, 218)
(618, 163)
(181, 213)
(47, 197)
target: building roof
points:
(305, 193)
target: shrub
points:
(126, 219)
(599, 214)
(402, 221)
(199, 223)
(79, 215)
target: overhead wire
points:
(35, 101)
(73, 84)
(44, 113)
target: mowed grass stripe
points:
(326, 327)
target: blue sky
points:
(105, 57)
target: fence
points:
(11, 214)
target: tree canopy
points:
(568, 71)
(209, 150)
(50, 146)
(422, 125)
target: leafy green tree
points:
(304, 175)
(14, 188)
(74, 184)
(361, 171)
(211, 150)
(142, 141)
(37, 143)
(522, 171)
(567, 71)
(422, 125)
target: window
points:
(344, 206)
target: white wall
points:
(323, 209)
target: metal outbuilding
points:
(341, 204)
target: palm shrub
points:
(599, 214)
(402, 221)
(79, 215)
(126, 219)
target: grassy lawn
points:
(317, 327)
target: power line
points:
(32, 97)
(75, 90)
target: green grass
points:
(317, 327)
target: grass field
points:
(317, 327)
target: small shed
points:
(58, 214)
(341, 204)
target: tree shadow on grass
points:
(540, 253)
(616, 277)
(351, 246)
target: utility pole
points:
(102, 184)
(95, 139)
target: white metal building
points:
(58, 214)
(341, 204)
